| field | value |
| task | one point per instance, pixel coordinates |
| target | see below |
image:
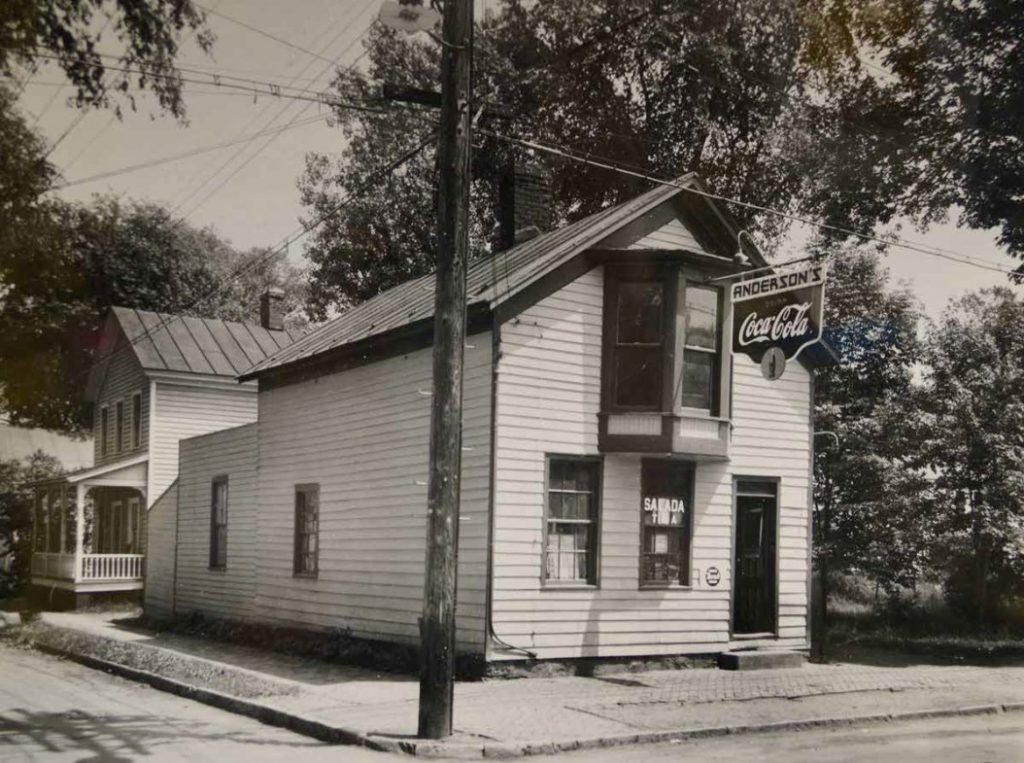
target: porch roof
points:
(131, 472)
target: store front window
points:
(666, 510)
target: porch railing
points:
(94, 566)
(112, 566)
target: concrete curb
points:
(470, 751)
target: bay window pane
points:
(638, 380)
(701, 317)
(698, 368)
(639, 315)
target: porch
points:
(89, 530)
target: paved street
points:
(54, 710)
(983, 739)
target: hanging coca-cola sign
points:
(781, 310)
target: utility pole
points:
(437, 628)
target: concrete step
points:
(755, 659)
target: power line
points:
(65, 134)
(263, 257)
(227, 162)
(894, 241)
(185, 155)
(262, 32)
(272, 138)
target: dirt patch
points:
(196, 672)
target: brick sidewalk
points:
(568, 710)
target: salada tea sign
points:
(781, 310)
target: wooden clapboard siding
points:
(124, 377)
(548, 398)
(183, 411)
(160, 532)
(227, 592)
(362, 435)
(772, 438)
(672, 235)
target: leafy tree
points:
(70, 31)
(667, 88)
(869, 484)
(62, 277)
(974, 442)
(951, 91)
(16, 515)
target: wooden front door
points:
(754, 600)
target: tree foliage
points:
(16, 514)
(974, 442)
(868, 481)
(81, 259)
(148, 34)
(776, 104)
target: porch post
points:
(63, 493)
(79, 529)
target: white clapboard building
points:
(157, 379)
(629, 486)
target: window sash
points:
(571, 521)
(104, 423)
(666, 536)
(119, 426)
(136, 420)
(219, 523)
(638, 344)
(307, 531)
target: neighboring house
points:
(628, 488)
(158, 379)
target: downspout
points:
(491, 502)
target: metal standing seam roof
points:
(489, 280)
(209, 346)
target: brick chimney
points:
(524, 205)
(272, 309)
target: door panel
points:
(754, 600)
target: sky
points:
(248, 193)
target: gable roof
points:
(185, 344)
(489, 280)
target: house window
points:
(104, 422)
(700, 348)
(136, 419)
(666, 515)
(638, 345)
(219, 523)
(119, 426)
(571, 529)
(307, 529)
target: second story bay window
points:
(662, 367)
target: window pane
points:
(701, 317)
(697, 371)
(640, 309)
(567, 557)
(638, 381)
(572, 511)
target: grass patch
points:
(180, 667)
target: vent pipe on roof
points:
(272, 309)
(524, 205)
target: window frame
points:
(686, 546)
(119, 426)
(297, 553)
(104, 426)
(593, 566)
(615, 277)
(218, 544)
(714, 407)
(136, 433)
